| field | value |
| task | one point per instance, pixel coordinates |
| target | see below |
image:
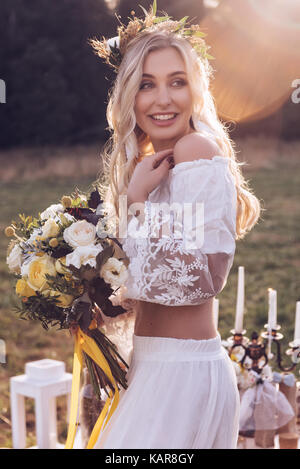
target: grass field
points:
(270, 255)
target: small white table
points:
(44, 380)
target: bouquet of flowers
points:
(67, 273)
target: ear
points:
(195, 146)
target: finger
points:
(166, 165)
(159, 157)
(168, 162)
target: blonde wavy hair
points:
(128, 139)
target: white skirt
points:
(182, 394)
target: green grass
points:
(270, 255)
(28, 341)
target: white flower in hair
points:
(113, 42)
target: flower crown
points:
(113, 49)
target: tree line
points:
(56, 88)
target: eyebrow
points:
(148, 75)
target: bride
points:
(170, 155)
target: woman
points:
(172, 156)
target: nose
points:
(163, 97)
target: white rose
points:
(114, 272)
(52, 211)
(14, 260)
(80, 233)
(84, 255)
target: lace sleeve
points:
(184, 250)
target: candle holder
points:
(272, 333)
(294, 351)
(238, 338)
(256, 349)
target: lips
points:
(174, 114)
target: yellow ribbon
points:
(84, 343)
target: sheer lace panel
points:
(183, 251)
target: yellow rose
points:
(50, 229)
(37, 270)
(23, 289)
(63, 299)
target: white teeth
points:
(168, 116)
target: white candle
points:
(238, 327)
(297, 322)
(272, 315)
(216, 311)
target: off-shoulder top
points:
(182, 252)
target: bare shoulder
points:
(193, 147)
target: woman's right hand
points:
(148, 174)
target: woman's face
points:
(164, 93)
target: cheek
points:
(141, 106)
(186, 100)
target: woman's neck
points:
(160, 145)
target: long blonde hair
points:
(128, 141)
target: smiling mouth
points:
(164, 117)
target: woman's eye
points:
(144, 84)
(181, 82)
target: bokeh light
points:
(256, 45)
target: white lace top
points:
(183, 251)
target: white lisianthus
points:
(80, 233)
(14, 259)
(113, 42)
(52, 211)
(50, 229)
(114, 272)
(84, 255)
